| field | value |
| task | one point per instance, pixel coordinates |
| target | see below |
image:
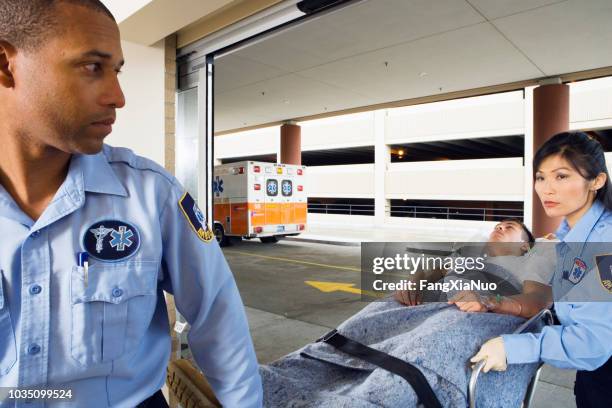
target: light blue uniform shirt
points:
(108, 339)
(582, 301)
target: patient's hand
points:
(409, 297)
(469, 301)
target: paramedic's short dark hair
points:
(527, 232)
(26, 23)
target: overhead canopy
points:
(379, 51)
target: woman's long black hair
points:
(584, 153)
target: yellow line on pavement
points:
(346, 268)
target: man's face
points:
(507, 231)
(507, 239)
(67, 90)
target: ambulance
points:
(258, 200)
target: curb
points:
(323, 241)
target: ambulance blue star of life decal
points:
(217, 186)
(111, 240)
(195, 218)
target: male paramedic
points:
(91, 235)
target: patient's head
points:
(510, 237)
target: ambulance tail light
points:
(257, 230)
(301, 227)
(257, 187)
(256, 169)
(241, 170)
(299, 172)
(300, 188)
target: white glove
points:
(494, 354)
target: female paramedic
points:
(571, 180)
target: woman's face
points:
(562, 189)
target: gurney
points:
(493, 379)
(544, 317)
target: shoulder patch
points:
(604, 267)
(195, 218)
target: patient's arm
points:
(535, 297)
(415, 297)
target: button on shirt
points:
(104, 333)
(583, 304)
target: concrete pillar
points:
(550, 116)
(528, 158)
(290, 144)
(382, 156)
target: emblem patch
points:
(195, 218)
(111, 240)
(604, 267)
(578, 271)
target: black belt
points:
(156, 400)
(404, 369)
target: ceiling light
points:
(423, 74)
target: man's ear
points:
(7, 52)
(525, 247)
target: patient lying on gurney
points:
(515, 260)
(438, 338)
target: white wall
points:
(337, 132)
(347, 181)
(591, 104)
(487, 179)
(122, 9)
(140, 124)
(483, 116)
(248, 143)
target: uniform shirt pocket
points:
(112, 309)
(8, 352)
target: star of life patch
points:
(578, 271)
(111, 240)
(195, 218)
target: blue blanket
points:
(437, 338)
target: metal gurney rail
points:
(544, 316)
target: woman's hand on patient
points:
(469, 301)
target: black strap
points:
(156, 400)
(404, 369)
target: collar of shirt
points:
(583, 227)
(91, 173)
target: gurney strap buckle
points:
(327, 336)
